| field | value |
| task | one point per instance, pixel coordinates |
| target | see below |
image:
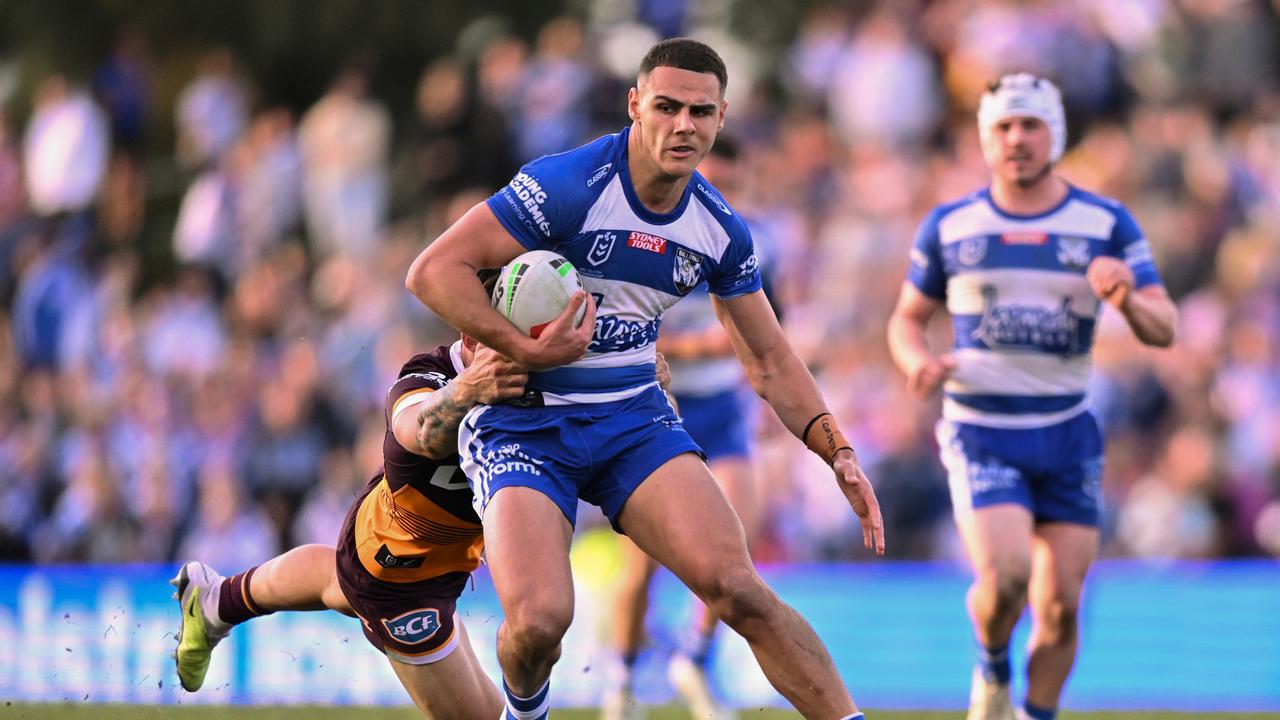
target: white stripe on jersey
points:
(696, 228)
(982, 372)
(954, 411)
(575, 398)
(1021, 286)
(979, 218)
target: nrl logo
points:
(688, 270)
(602, 248)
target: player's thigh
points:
(1063, 553)
(452, 688)
(333, 597)
(741, 487)
(997, 539)
(679, 516)
(527, 541)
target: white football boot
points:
(989, 700)
(692, 684)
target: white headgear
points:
(1025, 95)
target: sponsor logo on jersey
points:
(1073, 251)
(748, 266)
(602, 248)
(972, 250)
(919, 259)
(715, 200)
(645, 241)
(1024, 237)
(1028, 327)
(687, 271)
(413, 627)
(613, 334)
(431, 376)
(532, 196)
(599, 174)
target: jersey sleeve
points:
(411, 389)
(542, 203)
(926, 271)
(1130, 244)
(738, 271)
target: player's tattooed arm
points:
(438, 418)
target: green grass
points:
(88, 711)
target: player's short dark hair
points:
(685, 54)
(488, 278)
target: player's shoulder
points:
(969, 202)
(587, 167)
(710, 197)
(434, 365)
(1100, 201)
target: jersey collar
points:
(455, 357)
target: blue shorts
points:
(720, 424)
(1055, 472)
(599, 452)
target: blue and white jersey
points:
(1021, 308)
(707, 376)
(635, 263)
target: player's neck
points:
(1034, 199)
(656, 190)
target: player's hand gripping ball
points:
(533, 290)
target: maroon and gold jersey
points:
(416, 521)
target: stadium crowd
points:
(222, 399)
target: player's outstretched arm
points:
(781, 378)
(432, 431)
(443, 277)
(925, 372)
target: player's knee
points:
(540, 626)
(1008, 583)
(738, 597)
(1059, 621)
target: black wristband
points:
(804, 436)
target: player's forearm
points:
(1153, 318)
(451, 290)
(439, 417)
(907, 342)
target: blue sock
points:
(1035, 712)
(995, 664)
(697, 645)
(855, 716)
(530, 708)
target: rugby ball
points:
(533, 289)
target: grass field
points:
(89, 711)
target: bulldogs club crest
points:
(1073, 252)
(688, 270)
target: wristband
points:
(824, 438)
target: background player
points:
(406, 550)
(1021, 267)
(644, 229)
(708, 386)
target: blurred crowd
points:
(222, 398)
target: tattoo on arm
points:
(438, 419)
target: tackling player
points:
(1022, 267)
(406, 549)
(643, 229)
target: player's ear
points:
(724, 108)
(633, 104)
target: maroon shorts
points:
(411, 622)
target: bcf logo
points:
(413, 627)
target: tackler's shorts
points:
(411, 622)
(1055, 471)
(599, 452)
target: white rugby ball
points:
(533, 289)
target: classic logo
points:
(1073, 251)
(1023, 237)
(599, 174)
(919, 259)
(717, 201)
(688, 270)
(602, 248)
(413, 627)
(972, 250)
(1137, 252)
(645, 241)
